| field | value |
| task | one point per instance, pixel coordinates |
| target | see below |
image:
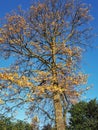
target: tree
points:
(21, 125)
(34, 123)
(46, 46)
(84, 116)
(47, 127)
(7, 124)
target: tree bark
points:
(60, 125)
(59, 120)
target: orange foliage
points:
(45, 45)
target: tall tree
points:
(45, 45)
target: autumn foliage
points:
(46, 46)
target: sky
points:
(90, 59)
(91, 56)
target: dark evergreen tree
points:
(84, 116)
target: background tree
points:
(21, 125)
(7, 124)
(34, 123)
(84, 116)
(47, 127)
(45, 44)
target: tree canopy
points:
(6, 123)
(84, 116)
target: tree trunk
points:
(59, 120)
(60, 125)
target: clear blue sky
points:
(90, 61)
(91, 56)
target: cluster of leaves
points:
(7, 124)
